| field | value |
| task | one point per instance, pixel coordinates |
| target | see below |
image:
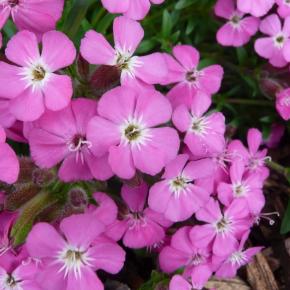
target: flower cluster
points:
(168, 153)
(272, 19)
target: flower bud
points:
(77, 198)
(43, 177)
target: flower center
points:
(235, 21)
(38, 73)
(197, 259)
(132, 132)
(127, 63)
(136, 219)
(13, 3)
(73, 260)
(193, 76)
(240, 190)
(11, 283)
(78, 142)
(178, 185)
(223, 225)
(279, 40)
(123, 61)
(238, 258)
(199, 125)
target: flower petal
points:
(93, 42)
(22, 48)
(58, 50)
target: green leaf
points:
(9, 28)
(166, 24)
(75, 17)
(156, 278)
(181, 4)
(242, 55)
(285, 227)
(103, 25)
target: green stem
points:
(28, 214)
(279, 169)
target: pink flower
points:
(106, 211)
(62, 136)
(179, 195)
(9, 164)
(283, 8)
(239, 29)
(257, 8)
(204, 134)
(283, 103)
(134, 9)
(236, 259)
(21, 276)
(243, 186)
(223, 229)
(70, 258)
(35, 16)
(142, 227)
(126, 129)
(275, 136)
(31, 84)
(253, 159)
(136, 71)
(275, 46)
(178, 282)
(6, 118)
(191, 81)
(182, 253)
(15, 132)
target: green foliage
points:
(156, 279)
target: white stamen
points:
(265, 216)
(9, 282)
(179, 185)
(134, 132)
(240, 189)
(73, 259)
(279, 40)
(136, 219)
(192, 78)
(235, 21)
(238, 258)
(223, 226)
(199, 125)
(36, 74)
(126, 62)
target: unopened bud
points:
(270, 87)
(83, 67)
(105, 77)
(43, 177)
(77, 198)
